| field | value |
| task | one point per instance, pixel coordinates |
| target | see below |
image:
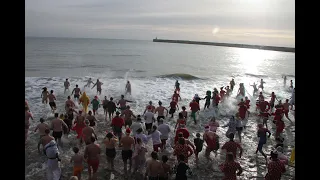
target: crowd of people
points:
(131, 133)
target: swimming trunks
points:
(126, 154)
(77, 170)
(148, 125)
(172, 111)
(52, 104)
(160, 117)
(57, 135)
(111, 153)
(76, 96)
(94, 164)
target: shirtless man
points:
(127, 116)
(147, 107)
(27, 116)
(291, 84)
(273, 99)
(89, 82)
(92, 119)
(160, 110)
(127, 144)
(66, 85)
(286, 106)
(232, 84)
(77, 92)
(52, 104)
(98, 84)
(42, 127)
(44, 95)
(261, 84)
(70, 103)
(79, 121)
(45, 140)
(128, 88)
(56, 125)
(255, 89)
(228, 91)
(87, 133)
(122, 103)
(176, 96)
(154, 167)
(92, 155)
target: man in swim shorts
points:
(160, 110)
(127, 116)
(98, 84)
(87, 133)
(66, 85)
(56, 125)
(42, 127)
(77, 92)
(173, 107)
(51, 98)
(127, 144)
(44, 140)
(232, 84)
(123, 103)
(92, 155)
(89, 82)
(117, 123)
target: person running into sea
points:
(88, 132)
(57, 127)
(286, 106)
(180, 122)
(273, 98)
(208, 99)
(198, 143)
(149, 119)
(232, 146)
(92, 119)
(182, 170)
(154, 167)
(230, 168)
(89, 82)
(166, 167)
(135, 126)
(77, 92)
(42, 127)
(164, 130)
(95, 105)
(212, 140)
(127, 144)
(105, 106)
(275, 168)
(292, 99)
(232, 124)
(44, 140)
(176, 96)
(128, 88)
(228, 91)
(156, 140)
(141, 135)
(85, 100)
(98, 84)
(160, 110)
(66, 86)
(284, 80)
(177, 86)
(255, 89)
(111, 107)
(79, 124)
(117, 123)
(194, 106)
(173, 107)
(241, 91)
(127, 116)
(265, 117)
(123, 103)
(213, 124)
(52, 98)
(44, 95)
(139, 157)
(27, 116)
(262, 135)
(232, 84)
(291, 84)
(92, 155)
(69, 104)
(261, 84)
(222, 93)
(110, 143)
(77, 159)
(150, 105)
(184, 112)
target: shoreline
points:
(271, 48)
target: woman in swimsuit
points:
(110, 143)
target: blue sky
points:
(265, 22)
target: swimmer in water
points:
(241, 91)
(232, 84)
(284, 80)
(291, 84)
(89, 82)
(77, 92)
(66, 85)
(255, 89)
(228, 91)
(98, 84)
(123, 103)
(128, 88)
(44, 95)
(273, 98)
(177, 86)
(261, 84)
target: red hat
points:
(96, 97)
(128, 131)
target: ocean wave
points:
(288, 75)
(179, 76)
(256, 75)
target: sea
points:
(152, 68)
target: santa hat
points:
(128, 131)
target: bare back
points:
(77, 160)
(46, 139)
(127, 142)
(110, 143)
(92, 151)
(160, 110)
(42, 127)
(87, 133)
(155, 168)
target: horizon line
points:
(150, 40)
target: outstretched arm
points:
(94, 85)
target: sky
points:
(260, 22)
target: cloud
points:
(248, 21)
